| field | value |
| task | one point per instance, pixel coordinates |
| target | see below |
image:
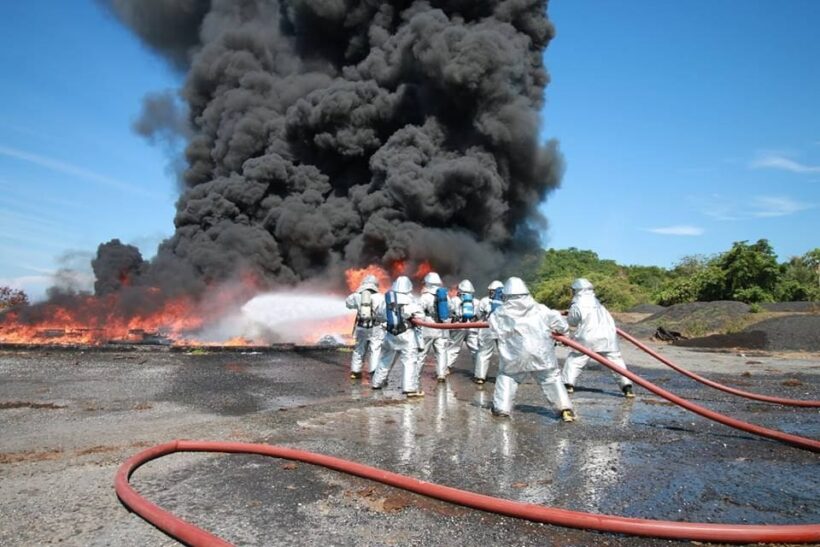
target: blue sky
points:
(685, 126)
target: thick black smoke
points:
(331, 133)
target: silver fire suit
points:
(487, 345)
(404, 346)
(458, 337)
(595, 329)
(437, 339)
(368, 336)
(522, 328)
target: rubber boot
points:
(498, 413)
(567, 415)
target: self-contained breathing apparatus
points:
(442, 305)
(365, 316)
(496, 299)
(467, 307)
(396, 324)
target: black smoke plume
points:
(334, 133)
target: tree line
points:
(747, 272)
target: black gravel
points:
(796, 307)
(790, 333)
(692, 319)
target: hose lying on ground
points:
(192, 535)
(788, 438)
(734, 391)
(732, 533)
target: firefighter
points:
(522, 328)
(464, 310)
(595, 329)
(369, 332)
(435, 303)
(401, 339)
(487, 346)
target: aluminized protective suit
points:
(437, 339)
(595, 329)
(404, 346)
(368, 335)
(459, 337)
(522, 328)
(487, 345)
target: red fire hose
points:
(192, 535)
(450, 326)
(710, 383)
(794, 440)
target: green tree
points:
(651, 278)
(800, 278)
(11, 298)
(751, 271)
(703, 284)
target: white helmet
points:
(369, 283)
(403, 285)
(432, 279)
(466, 287)
(581, 284)
(515, 287)
(495, 285)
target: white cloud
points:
(773, 160)
(720, 208)
(69, 169)
(680, 230)
(729, 209)
(776, 206)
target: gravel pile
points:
(790, 333)
(646, 308)
(747, 340)
(692, 319)
(793, 307)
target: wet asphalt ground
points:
(68, 418)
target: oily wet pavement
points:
(643, 458)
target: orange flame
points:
(354, 277)
(96, 320)
(397, 268)
(423, 269)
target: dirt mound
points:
(793, 307)
(646, 308)
(695, 319)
